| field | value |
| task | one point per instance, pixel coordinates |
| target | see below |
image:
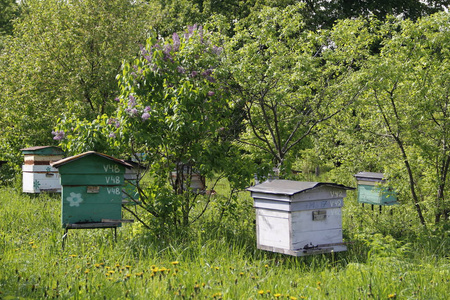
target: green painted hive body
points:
(372, 191)
(91, 188)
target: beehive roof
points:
(42, 150)
(71, 159)
(291, 187)
(371, 176)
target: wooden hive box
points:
(37, 173)
(91, 188)
(130, 190)
(372, 189)
(299, 218)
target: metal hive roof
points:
(291, 187)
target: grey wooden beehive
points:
(299, 218)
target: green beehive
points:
(91, 188)
(372, 189)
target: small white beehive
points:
(38, 175)
(299, 218)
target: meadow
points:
(389, 257)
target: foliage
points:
(175, 113)
(63, 58)
(283, 84)
(10, 10)
(400, 122)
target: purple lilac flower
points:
(117, 99)
(58, 135)
(207, 72)
(194, 73)
(217, 50)
(145, 116)
(176, 42)
(131, 101)
(117, 124)
(147, 109)
(210, 93)
(181, 70)
(211, 79)
(112, 135)
(133, 112)
(111, 121)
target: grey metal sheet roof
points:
(369, 176)
(291, 187)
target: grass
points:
(216, 261)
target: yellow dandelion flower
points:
(217, 268)
(293, 298)
(31, 243)
(266, 266)
(87, 271)
(392, 296)
(153, 267)
(261, 292)
(128, 267)
(97, 265)
(34, 246)
(241, 273)
(73, 255)
(277, 295)
(319, 283)
(128, 275)
(111, 272)
(107, 268)
(175, 263)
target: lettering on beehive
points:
(336, 203)
(337, 194)
(112, 179)
(111, 168)
(115, 191)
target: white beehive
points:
(38, 175)
(299, 218)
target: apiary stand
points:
(106, 223)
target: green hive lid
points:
(43, 150)
(71, 159)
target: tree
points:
(173, 111)
(10, 11)
(403, 113)
(62, 59)
(283, 83)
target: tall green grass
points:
(216, 259)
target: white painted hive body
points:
(299, 218)
(37, 174)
